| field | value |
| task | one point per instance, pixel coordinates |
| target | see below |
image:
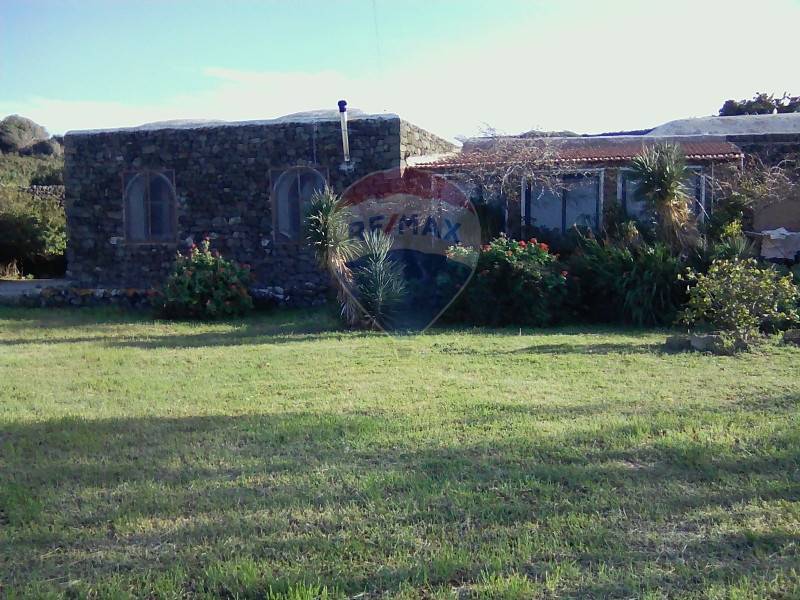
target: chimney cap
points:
(342, 105)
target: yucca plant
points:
(379, 283)
(661, 171)
(327, 231)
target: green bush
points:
(203, 285)
(515, 282)
(632, 282)
(741, 297)
(378, 281)
(23, 171)
(48, 173)
(32, 231)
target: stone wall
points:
(415, 141)
(771, 149)
(223, 176)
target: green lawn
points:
(279, 457)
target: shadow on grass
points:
(348, 500)
(279, 327)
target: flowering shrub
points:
(741, 297)
(203, 285)
(515, 282)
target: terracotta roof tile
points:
(578, 150)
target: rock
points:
(716, 343)
(18, 132)
(792, 336)
(679, 342)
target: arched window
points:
(290, 196)
(149, 199)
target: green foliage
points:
(23, 171)
(761, 104)
(626, 283)
(326, 226)
(327, 232)
(741, 297)
(732, 243)
(734, 207)
(661, 171)
(48, 173)
(515, 282)
(32, 228)
(204, 285)
(378, 280)
(18, 132)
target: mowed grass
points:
(277, 457)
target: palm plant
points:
(661, 171)
(379, 282)
(327, 231)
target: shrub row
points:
(636, 283)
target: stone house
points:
(134, 197)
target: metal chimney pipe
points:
(345, 139)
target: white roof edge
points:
(184, 124)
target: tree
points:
(661, 171)
(327, 232)
(761, 104)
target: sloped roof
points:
(738, 125)
(571, 150)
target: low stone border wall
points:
(132, 298)
(74, 296)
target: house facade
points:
(135, 197)
(555, 183)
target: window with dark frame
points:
(291, 193)
(577, 201)
(149, 204)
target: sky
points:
(455, 67)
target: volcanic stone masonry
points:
(223, 176)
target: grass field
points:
(277, 457)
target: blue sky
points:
(451, 66)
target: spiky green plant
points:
(380, 286)
(661, 171)
(327, 231)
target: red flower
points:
(544, 247)
(564, 274)
(522, 243)
(533, 241)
